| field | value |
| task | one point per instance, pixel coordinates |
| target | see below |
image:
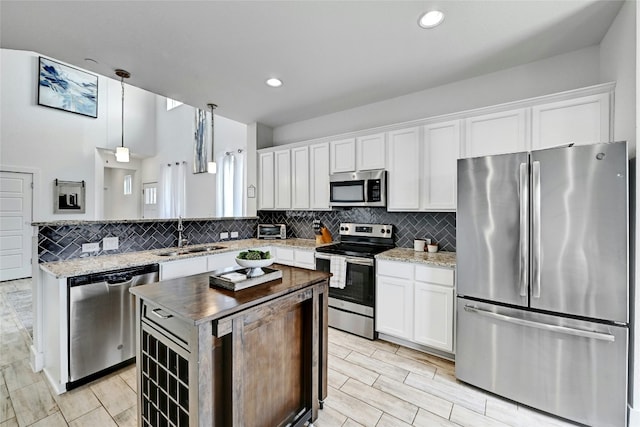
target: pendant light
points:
(122, 153)
(211, 166)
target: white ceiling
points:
(331, 55)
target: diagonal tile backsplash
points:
(438, 226)
(61, 242)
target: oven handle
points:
(350, 260)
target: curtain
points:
(173, 181)
(230, 196)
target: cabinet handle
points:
(161, 314)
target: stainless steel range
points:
(353, 285)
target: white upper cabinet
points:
(266, 181)
(319, 176)
(282, 172)
(371, 152)
(343, 155)
(441, 146)
(581, 120)
(404, 177)
(300, 178)
(496, 133)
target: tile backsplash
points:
(62, 242)
(438, 226)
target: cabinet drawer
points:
(440, 276)
(177, 328)
(401, 270)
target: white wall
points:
(617, 64)
(556, 74)
(59, 144)
(118, 205)
(175, 140)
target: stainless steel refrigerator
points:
(542, 279)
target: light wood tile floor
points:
(371, 383)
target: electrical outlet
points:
(90, 247)
(224, 235)
(234, 234)
(110, 243)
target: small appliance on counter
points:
(272, 231)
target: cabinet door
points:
(182, 268)
(371, 152)
(403, 180)
(282, 172)
(394, 307)
(284, 255)
(497, 133)
(300, 178)
(304, 258)
(343, 155)
(220, 261)
(319, 176)
(433, 316)
(266, 183)
(581, 121)
(441, 146)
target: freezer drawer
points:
(570, 368)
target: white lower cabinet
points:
(415, 302)
(183, 267)
(394, 309)
(295, 257)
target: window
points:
(172, 103)
(127, 185)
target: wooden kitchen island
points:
(212, 357)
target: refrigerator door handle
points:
(524, 226)
(543, 326)
(535, 232)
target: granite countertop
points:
(97, 264)
(437, 259)
(193, 300)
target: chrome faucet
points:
(181, 240)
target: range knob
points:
(388, 231)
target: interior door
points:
(15, 225)
(580, 231)
(492, 229)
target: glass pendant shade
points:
(122, 154)
(212, 167)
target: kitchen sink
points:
(186, 251)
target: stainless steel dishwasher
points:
(102, 321)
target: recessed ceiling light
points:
(273, 82)
(431, 19)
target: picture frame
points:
(67, 88)
(68, 197)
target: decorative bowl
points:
(255, 265)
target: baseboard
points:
(36, 359)
(424, 349)
(57, 388)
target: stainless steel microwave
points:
(365, 188)
(272, 231)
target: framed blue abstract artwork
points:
(67, 88)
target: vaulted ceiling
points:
(331, 55)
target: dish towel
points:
(338, 266)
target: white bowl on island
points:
(255, 265)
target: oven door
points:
(359, 280)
